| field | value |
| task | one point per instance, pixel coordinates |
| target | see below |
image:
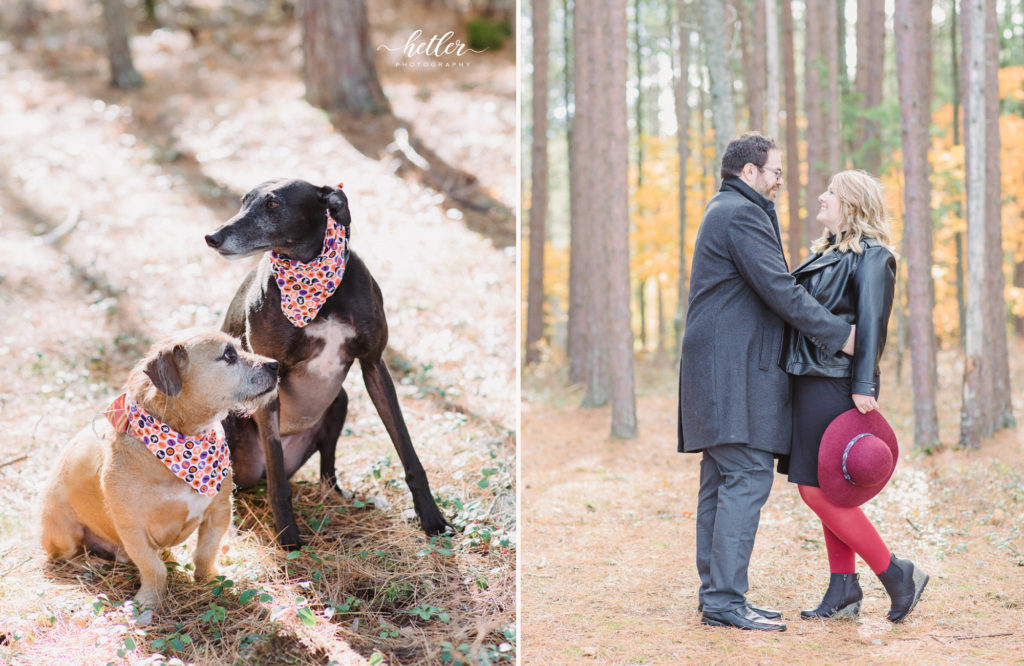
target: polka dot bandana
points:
(306, 287)
(202, 460)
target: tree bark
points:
(972, 421)
(870, 69)
(753, 65)
(719, 75)
(796, 228)
(1001, 406)
(771, 49)
(757, 80)
(816, 102)
(912, 52)
(122, 70)
(581, 164)
(590, 156)
(338, 60)
(538, 182)
(830, 46)
(639, 104)
(616, 227)
(681, 90)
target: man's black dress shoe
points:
(741, 618)
(766, 613)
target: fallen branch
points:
(13, 460)
(968, 637)
(916, 528)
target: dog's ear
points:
(165, 370)
(337, 203)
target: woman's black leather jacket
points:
(859, 288)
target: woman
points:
(851, 271)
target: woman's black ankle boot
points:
(842, 598)
(904, 582)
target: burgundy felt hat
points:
(857, 456)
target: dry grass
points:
(149, 173)
(360, 587)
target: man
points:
(734, 400)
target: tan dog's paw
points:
(205, 573)
(148, 599)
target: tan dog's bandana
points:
(202, 461)
(306, 287)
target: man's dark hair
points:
(750, 147)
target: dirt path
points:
(142, 176)
(607, 565)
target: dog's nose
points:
(271, 366)
(214, 241)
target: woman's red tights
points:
(848, 532)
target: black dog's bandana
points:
(306, 287)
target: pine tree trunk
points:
(538, 182)
(1001, 406)
(912, 53)
(830, 45)
(870, 63)
(639, 99)
(796, 227)
(589, 160)
(122, 70)
(620, 332)
(719, 75)
(771, 48)
(681, 89)
(816, 103)
(757, 76)
(972, 426)
(748, 70)
(338, 59)
(581, 164)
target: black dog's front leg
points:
(382, 391)
(279, 492)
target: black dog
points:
(290, 217)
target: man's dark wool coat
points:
(731, 388)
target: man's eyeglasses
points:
(777, 172)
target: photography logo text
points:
(436, 52)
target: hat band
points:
(846, 453)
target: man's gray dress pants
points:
(734, 484)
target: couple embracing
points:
(780, 365)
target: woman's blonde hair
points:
(862, 214)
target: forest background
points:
(625, 114)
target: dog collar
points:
(305, 287)
(202, 461)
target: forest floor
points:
(105, 197)
(607, 561)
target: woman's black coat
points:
(859, 288)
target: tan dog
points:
(122, 490)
